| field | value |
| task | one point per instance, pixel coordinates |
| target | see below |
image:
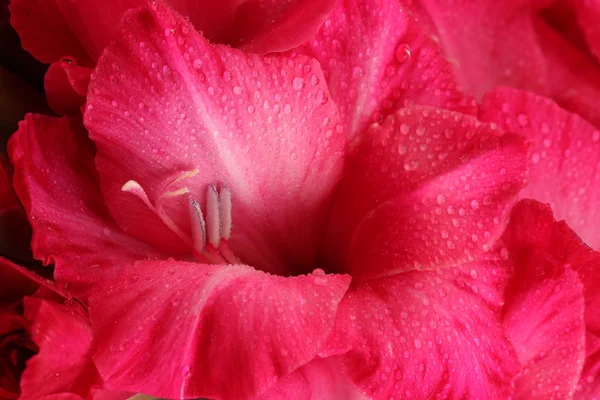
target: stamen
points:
(225, 212)
(212, 217)
(174, 193)
(184, 175)
(198, 226)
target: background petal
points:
(181, 327)
(44, 30)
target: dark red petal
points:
(428, 334)
(17, 282)
(57, 183)
(429, 188)
(377, 58)
(64, 361)
(66, 87)
(15, 232)
(176, 114)
(564, 164)
(44, 31)
(181, 330)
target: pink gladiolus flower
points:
(299, 202)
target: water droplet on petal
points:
(403, 52)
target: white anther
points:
(225, 212)
(213, 220)
(198, 226)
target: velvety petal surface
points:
(56, 182)
(428, 334)
(377, 58)
(320, 379)
(510, 43)
(63, 364)
(564, 163)
(232, 331)
(428, 188)
(544, 310)
(176, 114)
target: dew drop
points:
(298, 83)
(403, 52)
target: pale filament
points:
(209, 231)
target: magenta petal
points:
(428, 334)
(166, 106)
(320, 379)
(56, 182)
(544, 311)
(232, 331)
(428, 188)
(564, 163)
(64, 361)
(377, 58)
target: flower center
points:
(210, 230)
